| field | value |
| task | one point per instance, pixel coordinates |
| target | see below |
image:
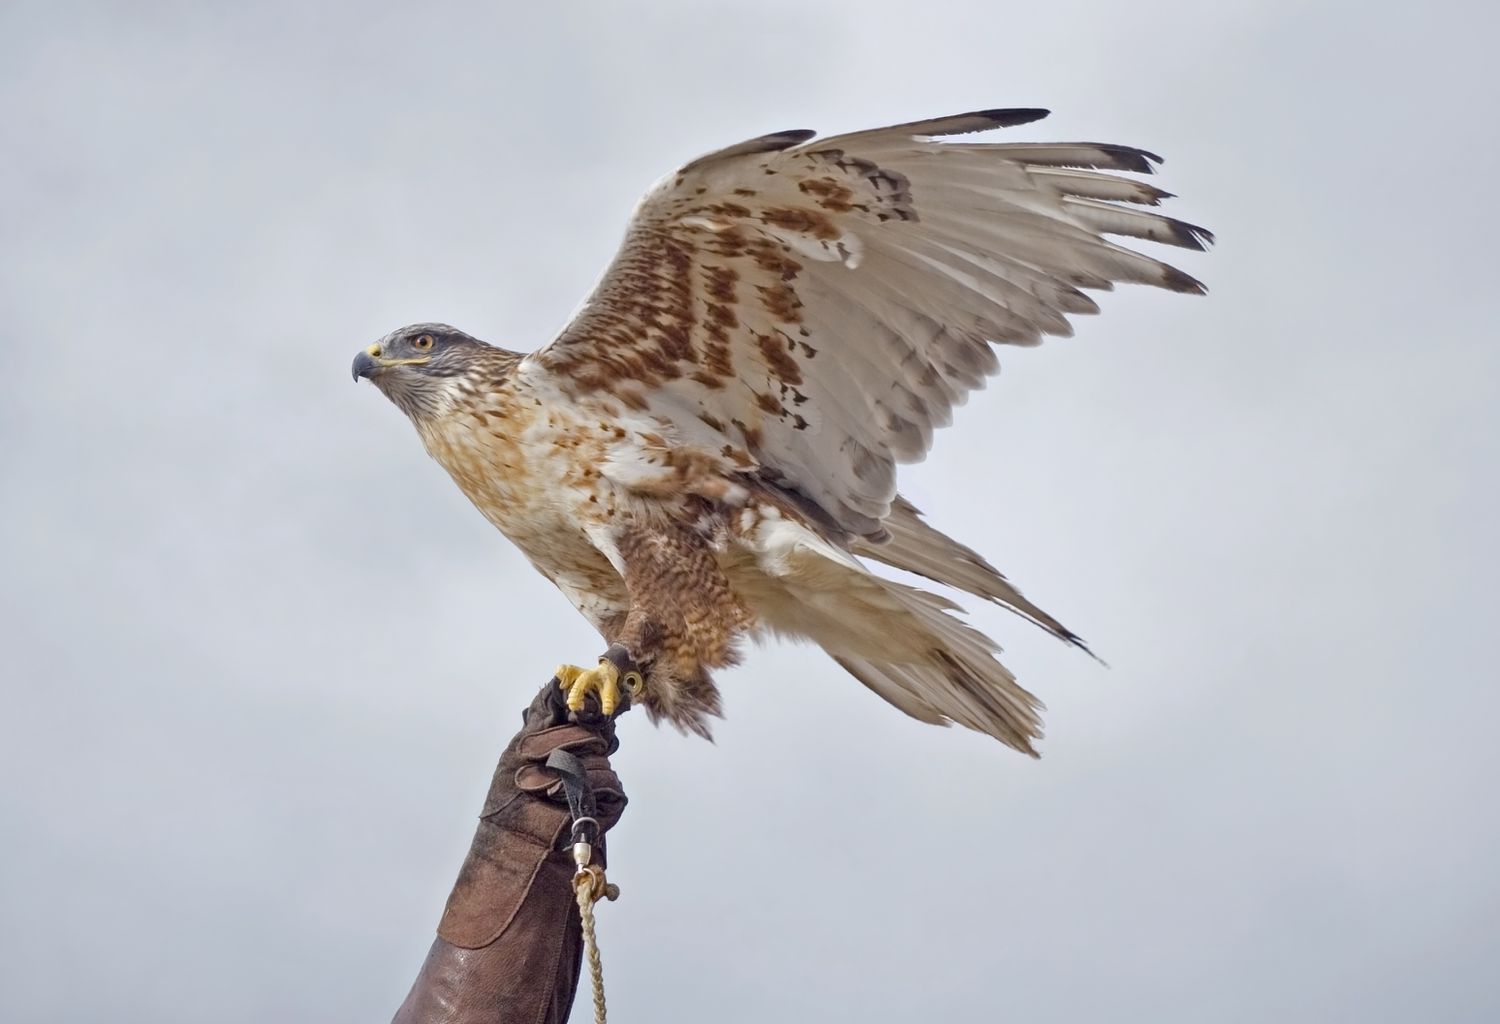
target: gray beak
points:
(364, 365)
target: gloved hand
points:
(509, 943)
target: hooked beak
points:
(365, 364)
(369, 362)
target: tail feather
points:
(916, 547)
(950, 672)
(892, 684)
(901, 642)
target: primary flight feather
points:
(709, 449)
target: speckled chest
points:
(533, 471)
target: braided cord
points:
(588, 886)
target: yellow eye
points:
(423, 342)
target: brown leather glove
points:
(509, 943)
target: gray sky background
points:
(260, 656)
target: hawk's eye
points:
(423, 342)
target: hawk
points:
(708, 451)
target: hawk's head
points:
(417, 366)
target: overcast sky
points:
(260, 655)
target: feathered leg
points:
(683, 621)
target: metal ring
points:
(598, 885)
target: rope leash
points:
(589, 883)
(589, 886)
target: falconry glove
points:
(509, 942)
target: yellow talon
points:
(603, 680)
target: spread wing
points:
(823, 304)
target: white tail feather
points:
(901, 642)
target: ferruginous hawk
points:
(708, 450)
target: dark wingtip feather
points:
(1142, 161)
(1074, 640)
(1009, 117)
(971, 121)
(1175, 280)
(1188, 236)
(1095, 155)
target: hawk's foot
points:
(604, 681)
